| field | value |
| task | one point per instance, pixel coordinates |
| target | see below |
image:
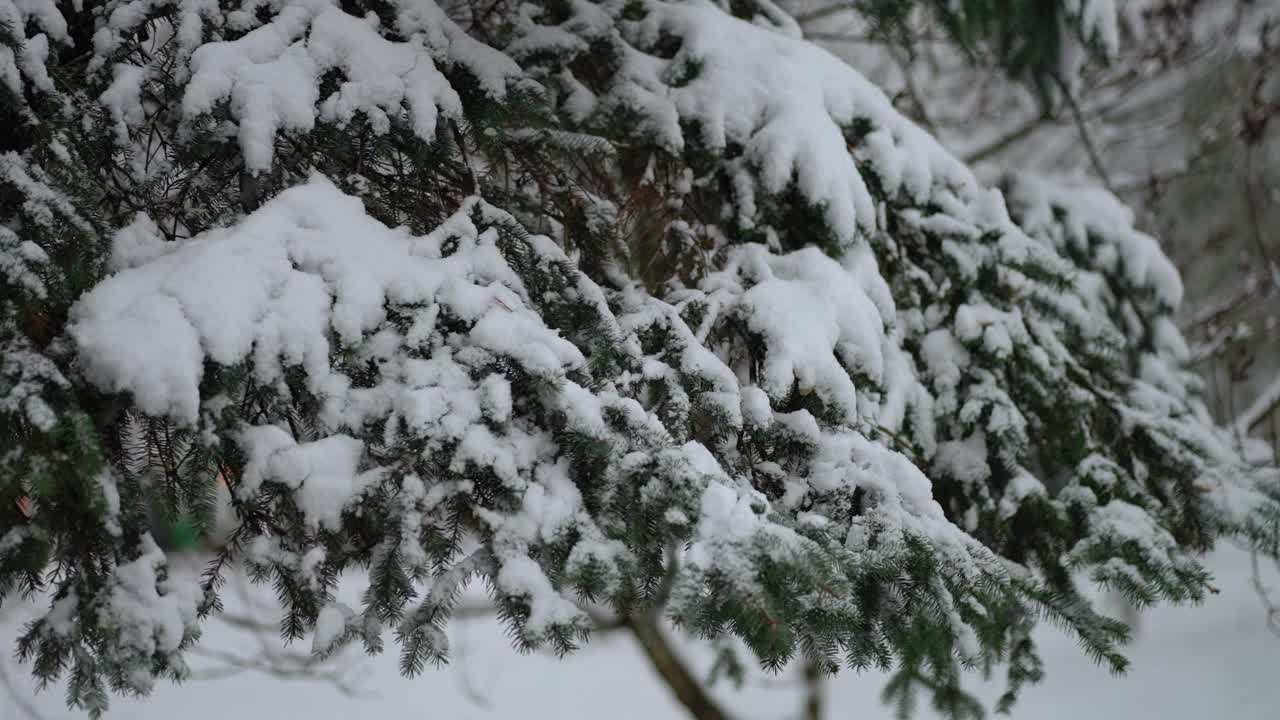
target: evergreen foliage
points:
(610, 305)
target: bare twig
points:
(1023, 131)
(1211, 347)
(281, 665)
(1252, 289)
(904, 61)
(270, 658)
(1264, 593)
(1086, 137)
(1255, 220)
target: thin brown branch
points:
(815, 681)
(1082, 126)
(904, 61)
(662, 656)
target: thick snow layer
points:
(816, 317)
(270, 77)
(302, 284)
(288, 276)
(1094, 222)
(787, 103)
(152, 614)
(324, 475)
(1216, 660)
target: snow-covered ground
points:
(1217, 660)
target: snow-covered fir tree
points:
(1174, 111)
(632, 310)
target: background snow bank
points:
(1217, 660)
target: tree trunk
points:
(814, 690)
